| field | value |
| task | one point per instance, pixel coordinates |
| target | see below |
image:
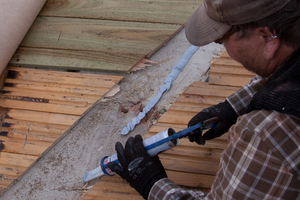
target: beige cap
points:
(215, 17)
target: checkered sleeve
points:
(240, 100)
(166, 189)
(262, 160)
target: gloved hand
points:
(227, 117)
(137, 167)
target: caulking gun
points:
(154, 145)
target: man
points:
(262, 159)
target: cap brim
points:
(200, 29)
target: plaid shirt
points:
(261, 161)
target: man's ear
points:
(270, 40)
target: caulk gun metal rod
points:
(175, 136)
(210, 123)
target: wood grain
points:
(157, 11)
(39, 106)
(116, 42)
(73, 59)
(226, 71)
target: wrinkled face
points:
(249, 52)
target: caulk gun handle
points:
(210, 123)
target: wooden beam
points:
(191, 179)
(113, 187)
(35, 127)
(162, 11)
(228, 72)
(57, 87)
(191, 150)
(107, 195)
(175, 118)
(189, 164)
(60, 77)
(4, 183)
(116, 38)
(74, 59)
(43, 97)
(44, 107)
(18, 161)
(27, 135)
(223, 79)
(24, 146)
(2, 78)
(9, 173)
(42, 117)
(200, 89)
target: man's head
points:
(214, 18)
(260, 34)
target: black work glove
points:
(137, 167)
(227, 117)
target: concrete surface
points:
(58, 173)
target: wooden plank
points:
(27, 135)
(56, 87)
(225, 71)
(24, 146)
(175, 118)
(227, 62)
(199, 96)
(104, 195)
(9, 173)
(195, 150)
(14, 168)
(45, 96)
(199, 88)
(233, 70)
(73, 59)
(59, 77)
(177, 108)
(4, 183)
(157, 11)
(222, 79)
(36, 127)
(114, 37)
(158, 127)
(207, 101)
(42, 117)
(3, 77)
(16, 161)
(191, 179)
(44, 107)
(189, 164)
(114, 187)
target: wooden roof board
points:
(102, 36)
(225, 71)
(40, 105)
(157, 11)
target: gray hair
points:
(285, 24)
